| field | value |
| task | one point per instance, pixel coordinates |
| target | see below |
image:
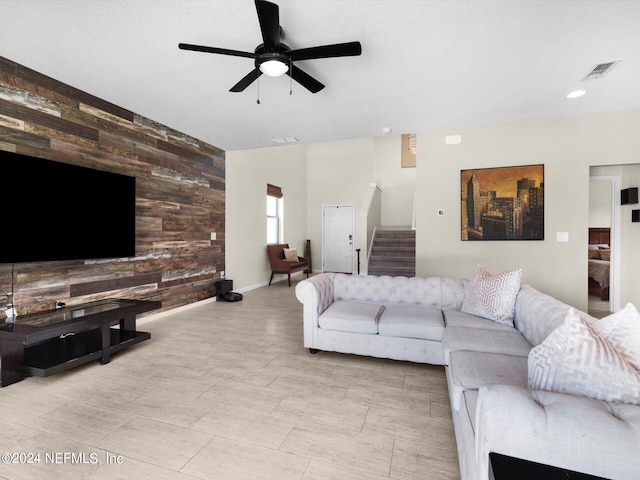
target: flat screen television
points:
(56, 211)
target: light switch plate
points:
(562, 236)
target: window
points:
(274, 214)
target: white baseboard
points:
(252, 287)
(156, 316)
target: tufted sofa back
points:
(538, 314)
(388, 291)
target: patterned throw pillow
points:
(492, 296)
(575, 359)
(622, 330)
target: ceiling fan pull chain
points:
(290, 77)
(258, 101)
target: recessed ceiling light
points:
(576, 93)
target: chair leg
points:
(289, 278)
(272, 274)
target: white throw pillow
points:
(492, 296)
(622, 330)
(575, 359)
(291, 254)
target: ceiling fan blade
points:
(221, 51)
(349, 49)
(269, 18)
(251, 77)
(304, 79)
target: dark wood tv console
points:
(42, 344)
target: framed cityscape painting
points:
(503, 203)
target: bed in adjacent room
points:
(599, 261)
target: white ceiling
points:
(424, 64)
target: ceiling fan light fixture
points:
(274, 68)
(273, 58)
(272, 64)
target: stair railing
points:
(370, 246)
(413, 214)
(371, 217)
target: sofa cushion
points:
(456, 318)
(622, 330)
(411, 322)
(492, 296)
(351, 317)
(472, 370)
(483, 340)
(575, 359)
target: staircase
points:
(393, 253)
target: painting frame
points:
(408, 157)
(502, 203)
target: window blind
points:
(274, 191)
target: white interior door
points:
(337, 238)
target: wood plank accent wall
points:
(180, 196)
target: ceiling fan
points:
(274, 58)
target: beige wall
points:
(313, 175)
(248, 173)
(340, 172)
(567, 147)
(599, 204)
(397, 184)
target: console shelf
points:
(58, 355)
(46, 343)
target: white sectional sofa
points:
(486, 364)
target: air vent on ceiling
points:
(282, 141)
(600, 70)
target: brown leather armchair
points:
(281, 266)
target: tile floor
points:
(227, 391)
(598, 308)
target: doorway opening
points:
(604, 243)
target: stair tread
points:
(387, 269)
(393, 250)
(391, 258)
(395, 239)
(393, 253)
